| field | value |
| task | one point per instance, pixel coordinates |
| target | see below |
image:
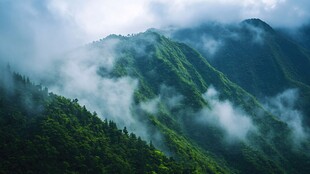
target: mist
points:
(211, 45)
(32, 35)
(84, 74)
(257, 33)
(34, 32)
(167, 96)
(235, 123)
(212, 39)
(283, 106)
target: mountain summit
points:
(255, 22)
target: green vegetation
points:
(157, 61)
(41, 132)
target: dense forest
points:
(41, 132)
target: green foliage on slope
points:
(158, 62)
(41, 132)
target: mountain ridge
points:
(177, 65)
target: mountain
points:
(167, 93)
(204, 118)
(255, 56)
(41, 132)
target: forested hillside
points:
(42, 132)
(205, 119)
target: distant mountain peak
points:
(255, 22)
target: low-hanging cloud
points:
(79, 77)
(85, 74)
(232, 120)
(283, 107)
(213, 39)
(151, 106)
(257, 33)
(211, 45)
(168, 96)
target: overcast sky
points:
(36, 28)
(97, 18)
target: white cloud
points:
(211, 45)
(151, 106)
(98, 18)
(257, 34)
(283, 107)
(232, 120)
(78, 77)
(36, 30)
(167, 96)
(84, 74)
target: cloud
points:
(283, 107)
(213, 37)
(168, 96)
(84, 73)
(78, 77)
(31, 35)
(257, 34)
(34, 32)
(97, 16)
(211, 45)
(232, 120)
(151, 106)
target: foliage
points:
(156, 61)
(41, 132)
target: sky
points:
(36, 30)
(94, 19)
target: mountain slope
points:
(167, 70)
(163, 91)
(41, 132)
(254, 56)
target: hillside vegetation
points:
(41, 132)
(167, 69)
